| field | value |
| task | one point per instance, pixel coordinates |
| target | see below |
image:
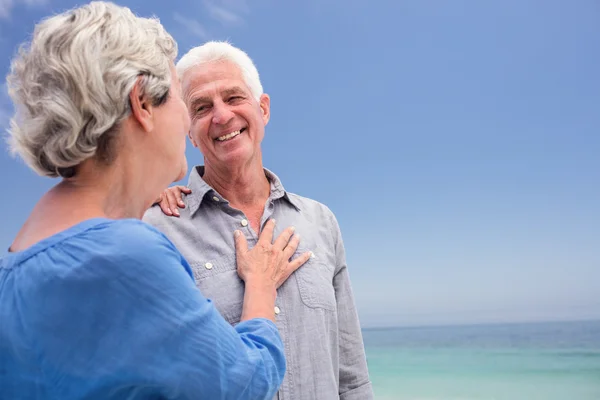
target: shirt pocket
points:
(315, 283)
(218, 281)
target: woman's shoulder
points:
(126, 247)
(127, 238)
(101, 245)
(110, 241)
(128, 232)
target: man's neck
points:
(245, 187)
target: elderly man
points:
(315, 310)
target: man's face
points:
(227, 122)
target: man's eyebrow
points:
(226, 92)
(199, 100)
(233, 90)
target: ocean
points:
(537, 361)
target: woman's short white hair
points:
(70, 85)
(223, 51)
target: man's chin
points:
(238, 156)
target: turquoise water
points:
(549, 361)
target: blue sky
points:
(457, 142)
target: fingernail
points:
(312, 255)
(293, 228)
(273, 220)
(297, 236)
(169, 211)
(236, 233)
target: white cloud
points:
(222, 14)
(6, 6)
(31, 3)
(227, 12)
(238, 5)
(193, 26)
(5, 109)
(4, 121)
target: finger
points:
(299, 261)
(294, 265)
(164, 206)
(284, 238)
(241, 245)
(172, 203)
(178, 197)
(291, 247)
(184, 189)
(266, 236)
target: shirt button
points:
(244, 222)
(208, 266)
(277, 310)
(215, 198)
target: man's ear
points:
(265, 107)
(192, 139)
(141, 107)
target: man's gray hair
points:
(223, 51)
(70, 85)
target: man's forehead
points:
(209, 79)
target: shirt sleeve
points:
(353, 372)
(130, 323)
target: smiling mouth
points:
(231, 135)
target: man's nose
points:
(221, 114)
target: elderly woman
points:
(94, 303)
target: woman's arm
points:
(131, 321)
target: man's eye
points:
(233, 99)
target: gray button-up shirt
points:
(315, 310)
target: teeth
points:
(228, 136)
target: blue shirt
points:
(108, 309)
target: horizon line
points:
(469, 324)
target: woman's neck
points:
(96, 191)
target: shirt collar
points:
(200, 190)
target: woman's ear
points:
(141, 107)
